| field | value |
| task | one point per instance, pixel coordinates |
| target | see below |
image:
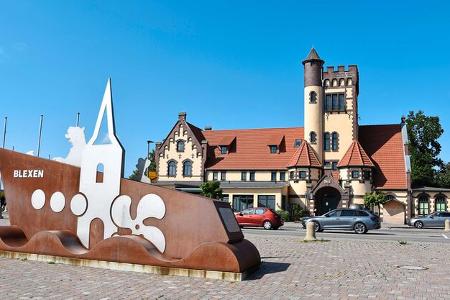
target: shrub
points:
(298, 212)
(284, 215)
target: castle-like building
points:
(330, 162)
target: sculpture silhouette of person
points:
(75, 136)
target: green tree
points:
(443, 177)
(424, 148)
(374, 199)
(211, 189)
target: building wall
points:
(234, 175)
(432, 195)
(170, 152)
(278, 193)
(341, 122)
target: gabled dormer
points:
(182, 154)
(276, 144)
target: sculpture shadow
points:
(268, 267)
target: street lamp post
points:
(148, 148)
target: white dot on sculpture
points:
(38, 199)
(78, 205)
(57, 202)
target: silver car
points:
(358, 220)
(436, 219)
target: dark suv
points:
(358, 220)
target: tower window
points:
(335, 141)
(187, 168)
(355, 174)
(302, 174)
(313, 97)
(180, 146)
(312, 137)
(342, 82)
(334, 102)
(172, 168)
(326, 141)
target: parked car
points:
(358, 220)
(436, 219)
(259, 217)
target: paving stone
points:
(339, 269)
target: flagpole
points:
(4, 132)
(40, 135)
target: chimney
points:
(208, 127)
(403, 120)
(182, 116)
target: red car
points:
(259, 217)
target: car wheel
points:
(317, 227)
(267, 225)
(360, 228)
(418, 224)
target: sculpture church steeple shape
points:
(101, 172)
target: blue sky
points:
(228, 64)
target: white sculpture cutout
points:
(57, 202)
(38, 199)
(75, 136)
(150, 206)
(101, 168)
(144, 177)
(100, 194)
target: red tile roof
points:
(355, 157)
(305, 156)
(252, 151)
(275, 140)
(384, 145)
(226, 140)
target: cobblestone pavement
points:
(291, 269)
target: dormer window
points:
(273, 148)
(180, 146)
(297, 143)
(223, 149)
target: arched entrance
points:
(326, 199)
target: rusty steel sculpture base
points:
(201, 235)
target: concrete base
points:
(228, 276)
